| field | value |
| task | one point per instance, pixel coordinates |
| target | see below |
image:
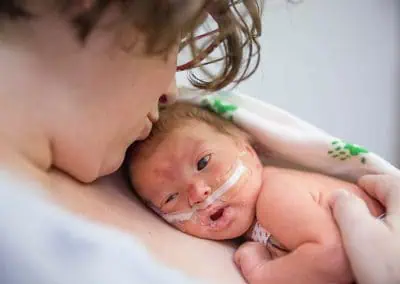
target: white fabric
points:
(290, 138)
(41, 243)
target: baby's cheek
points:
(259, 166)
(219, 173)
(194, 228)
(181, 226)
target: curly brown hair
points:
(163, 21)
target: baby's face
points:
(187, 167)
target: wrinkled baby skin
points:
(187, 166)
(192, 161)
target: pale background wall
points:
(335, 63)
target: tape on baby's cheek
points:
(177, 217)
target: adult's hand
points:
(372, 245)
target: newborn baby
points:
(201, 174)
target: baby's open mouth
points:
(218, 214)
(219, 218)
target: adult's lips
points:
(153, 116)
(145, 130)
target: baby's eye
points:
(171, 197)
(203, 162)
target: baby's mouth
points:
(217, 215)
(218, 218)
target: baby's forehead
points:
(159, 178)
(165, 160)
(180, 142)
(163, 154)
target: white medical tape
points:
(229, 183)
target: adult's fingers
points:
(361, 235)
(352, 217)
(384, 188)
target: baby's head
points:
(199, 172)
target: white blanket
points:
(290, 138)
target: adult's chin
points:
(110, 166)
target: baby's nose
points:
(198, 192)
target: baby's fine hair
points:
(179, 115)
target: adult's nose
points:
(170, 95)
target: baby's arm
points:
(308, 230)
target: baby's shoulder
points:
(281, 183)
(284, 181)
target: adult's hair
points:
(163, 22)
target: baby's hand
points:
(250, 258)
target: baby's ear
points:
(249, 149)
(262, 150)
(244, 145)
